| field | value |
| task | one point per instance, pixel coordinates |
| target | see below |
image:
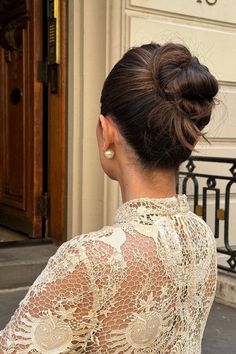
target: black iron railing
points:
(218, 188)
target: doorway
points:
(32, 85)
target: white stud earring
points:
(109, 154)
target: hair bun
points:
(161, 97)
(178, 74)
(187, 87)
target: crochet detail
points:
(144, 285)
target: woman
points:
(146, 283)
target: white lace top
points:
(143, 285)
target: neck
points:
(136, 183)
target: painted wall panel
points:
(213, 45)
(217, 10)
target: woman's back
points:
(144, 285)
(161, 279)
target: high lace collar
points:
(149, 208)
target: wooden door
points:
(21, 116)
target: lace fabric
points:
(143, 285)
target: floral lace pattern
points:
(143, 285)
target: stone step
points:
(226, 288)
(20, 266)
(9, 300)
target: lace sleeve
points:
(58, 312)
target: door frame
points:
(57, 133)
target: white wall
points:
(99, 32)
(87, 64)
(210, 33)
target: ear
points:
(107, 132)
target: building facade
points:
(99, 33)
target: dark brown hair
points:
(161, 98)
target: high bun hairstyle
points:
(161, 98)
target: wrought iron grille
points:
(205, 185)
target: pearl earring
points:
(109, 154)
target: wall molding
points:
(115, 47)
(227, 83)
(75, 124)
(87, 70)
(228, 141)
(169, 14)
